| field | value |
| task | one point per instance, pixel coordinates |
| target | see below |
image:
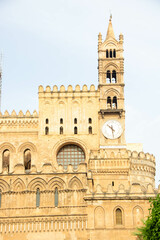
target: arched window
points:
(75, 130)
(61, 130)
(75, 121)
(114, 104)
(37, 197)
(108, 102)
(46, 130)
(70, 154)
(5, 159)
(61, 120)
(114, 80)
(118, 216)
(107, 53)
(47, 121)
(56, 197)
(90, 130)
(89, 120)
(110, 53)
(114, 53)
(27, 159)
(108, 75)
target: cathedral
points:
(66, 171)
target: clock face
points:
(112, 129)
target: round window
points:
(70, 154)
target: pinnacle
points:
(110, 32)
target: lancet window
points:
(118, 216)
(56, 197)
(111, 53)
(37, 197)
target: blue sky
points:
(52, 42)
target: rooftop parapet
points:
(69, 89)
(19, 115)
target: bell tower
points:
(111, 86)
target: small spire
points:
(110, 32)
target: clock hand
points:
(110, 127)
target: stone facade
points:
(67, 172)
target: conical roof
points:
(110, 32)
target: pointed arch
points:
(108, 43)
(18, 185)
(75, 182)
(111, 66)
(138, 215)
(56, 182)
(37, 183)
(99, 217)
(4, 186)
(111, 92)
(118, 215)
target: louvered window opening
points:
(70, 154)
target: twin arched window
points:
(111, 53)
(111, 77)
(112, 102)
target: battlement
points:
(69, 92)
(19, 115)
(19, 120)
(140, 165)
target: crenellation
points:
(67, 172)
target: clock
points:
(112, 129)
